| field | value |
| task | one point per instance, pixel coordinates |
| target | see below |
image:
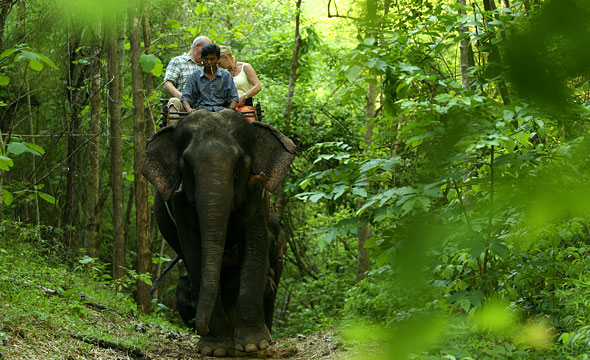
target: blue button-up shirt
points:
(210, 94)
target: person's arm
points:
(171, 78)
(253, 80)
(172, 90)
(187, 106)
(190, 93)
(233, 97)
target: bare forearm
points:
(254, 90)
(187, 106)
(172, 90)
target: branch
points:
(338, 15)
(110, 345)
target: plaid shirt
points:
(210, 94)
(180, 69)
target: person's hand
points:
(242, 100)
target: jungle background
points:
(438, 209)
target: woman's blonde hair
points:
(226, 51)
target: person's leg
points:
(174, 105)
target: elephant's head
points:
(219, 157)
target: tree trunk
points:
(464, 50)
(5, 7)
(294, 66)
(29, 114)
(114, 105)
(495, 56)
(144, 250)
(149, 78)
(128, 212)
(76, 97)
(364, 232)
(280, 198)
(31, 130)
(93, 219)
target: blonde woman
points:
(245, 80)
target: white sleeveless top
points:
(242, 83)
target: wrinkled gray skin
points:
(277, 241)
(220, 222)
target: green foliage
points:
(44, 297)
(151, 63)
(476, 196)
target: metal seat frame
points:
(258, 113)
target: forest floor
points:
(42, 340)
(166, 344)
(49, 311)
(321, 345)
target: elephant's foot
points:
(215, 346)
(249, 340)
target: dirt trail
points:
(321, 345)
(162, 343)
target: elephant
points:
(212, 172)
(277, 240)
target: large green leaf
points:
(46, 60)
(50, 199)
(7, 53)
(5, 163)
(36, 65)
(7, 196)
(28, 55)
(151, 63)
(18, 148)
(352, 73)
(35, 147)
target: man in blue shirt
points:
(211, 88)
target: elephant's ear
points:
(273, 154)
(160, 165)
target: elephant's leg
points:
(184, 301)
(218, 342)
(277, 240)
(230, 286)
(251, 331)
(222, 320)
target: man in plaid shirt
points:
(178, 71)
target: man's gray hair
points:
(201, 40)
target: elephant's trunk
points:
(213, 198)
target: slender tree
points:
(31, 128)
(464, 51)
(77, 96)
(294, 64)
(114, 105)
(149, 78)
(280, 196)
(364, 232)
(144, 255)
(93, 219)
(495, 56)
